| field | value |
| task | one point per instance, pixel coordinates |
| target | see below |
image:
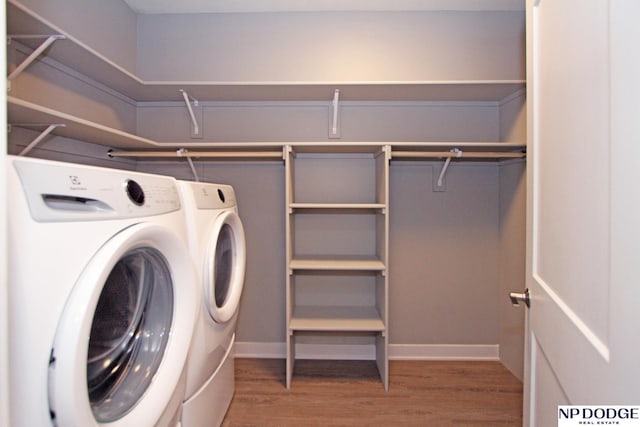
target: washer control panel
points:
(58, 191)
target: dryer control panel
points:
(213, 196)
(58, 191)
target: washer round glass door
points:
(116, 358)
(129, 332)
(225, 263)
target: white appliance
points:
(217, 244)
(102, 296)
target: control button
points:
(135, 192)
(221, 195)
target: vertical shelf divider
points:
(290, 296)
(382, 247)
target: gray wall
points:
(512, 238)
(351, 46)
(108, 27)
(309, 121)
(512, 266)
(348, 46)
(443, 255)
(445, 247)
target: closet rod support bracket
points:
(39, 138)
(196, 131)
(180, 152)
(334, 129)
(440, 182)
(49, 40)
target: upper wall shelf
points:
(24, 112)
(82, 58)
(20, 111)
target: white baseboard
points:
(276, 350)
(444, 352)
(260, 350)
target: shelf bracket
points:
(39, 138)
(49, 39)
(440, 183)
(334, 130)
(196, 131)
(180, 153)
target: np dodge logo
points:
(598, 415)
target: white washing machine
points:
(217, 244)
(102, 296)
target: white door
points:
(4, 327)
(583, 262)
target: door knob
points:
(517, 298)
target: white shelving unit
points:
(337, 286)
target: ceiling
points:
(229, 6)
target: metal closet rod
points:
(459, 154)
(278, 154)
(180, 153)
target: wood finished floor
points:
(350, 393)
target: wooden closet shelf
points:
(336, 318)
(220, 154)
(22, 112)
(315, 207)
(346, 263)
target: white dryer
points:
(102, 296)
(217, 244)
